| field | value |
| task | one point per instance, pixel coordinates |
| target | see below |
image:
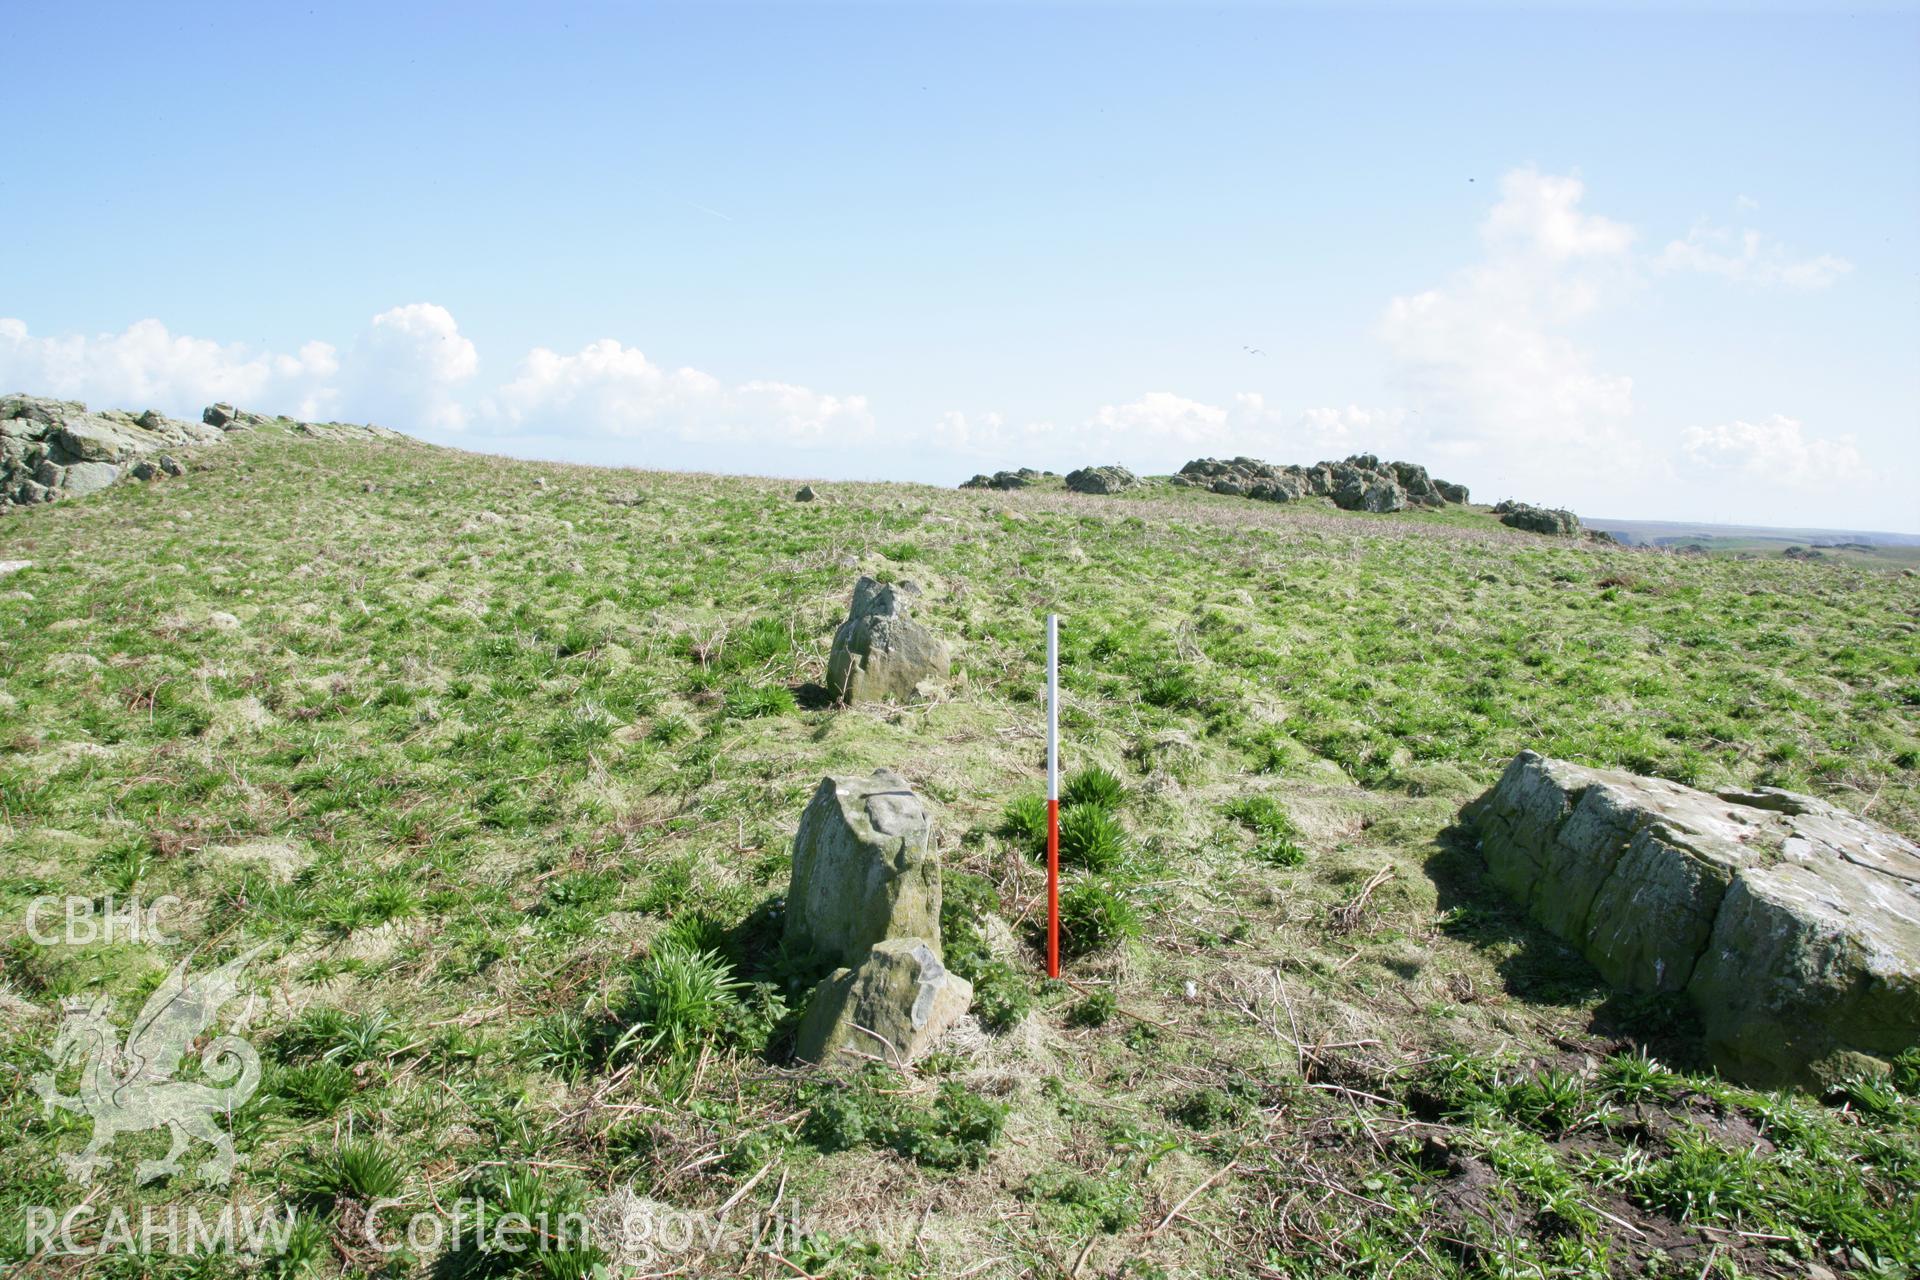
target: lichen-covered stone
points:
(1792, 926)
(880, 653)
(864, 869)
(892, 1006)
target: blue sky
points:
(1643, 264)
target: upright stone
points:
(864, 869)
(879, 652)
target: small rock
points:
(14, 566)
(805, 494)
(893, 1006)
(223, 621)
(539, 482)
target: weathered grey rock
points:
(1114, 479)
(83, 478)
(805, 494)
(1792, 926)
(864, 869)
(227, 418)
(1360, 490)
(1549, 520)
(879, 652)
(1451, 492)
(892, 1006)
(1420, 488)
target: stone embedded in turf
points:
(893, 1006)
(1791, 925)
(880, 653)
(1102, 480)
(864, 869)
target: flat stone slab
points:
(1791, 925)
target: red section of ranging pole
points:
(1053, 795)
(1053, 887)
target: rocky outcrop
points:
(880, 652)
(1360, 483)
(1114, 479)
(1004, 479)
(53, 449)
(1549, 520)
(1792, 926)
(892, 1006)
(865, 897)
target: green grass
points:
(509, 800)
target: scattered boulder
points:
(1548, 520)
(14, 566)
(1113, 479)
(805, 494)
(879, 652)
(892, 1006)
(864, 869)
(1792, 926)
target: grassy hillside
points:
(503, 774)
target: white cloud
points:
(1159, 417)
(613, 390)
(146, 366)
(1539, 214)
(1489, 355)
(1750, 257)
(407, 368)
(1776, 450)
(412, 368)
(1161, 431)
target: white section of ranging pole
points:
(1053, 706)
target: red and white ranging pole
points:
(1053, 795)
